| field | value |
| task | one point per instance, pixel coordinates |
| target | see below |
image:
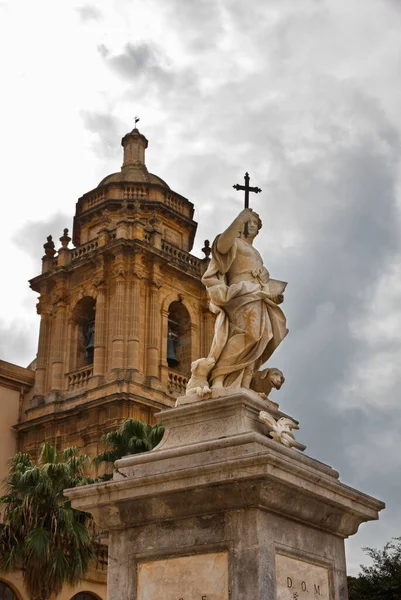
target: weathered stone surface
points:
(301, 580)
(216, 483)
(196, 577)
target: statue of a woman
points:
(249, 324)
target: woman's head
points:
(253, 225)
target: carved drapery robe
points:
(249, 325)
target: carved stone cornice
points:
(15, 377)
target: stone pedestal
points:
(219, 511)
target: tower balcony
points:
(79, 378)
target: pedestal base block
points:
(220, 511)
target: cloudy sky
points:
(305, 95)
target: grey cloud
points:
(133, 61)
(107, 129)
(31, 236)
(103, 50)
(135, 58)
(148, 70)
(201, 24)
(88, 12)
(18, 339)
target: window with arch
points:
(6, 593)
(84, 323)
(85, 596)
(179, 338)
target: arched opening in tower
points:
(84, 320)
(179, 338)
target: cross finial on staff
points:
(136, 119)
(246, 189)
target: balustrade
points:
(176, 383)
(95, 198)
(182, 258)
(79, 378)
(82, 250)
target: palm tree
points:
(41, 534)
(133, 436)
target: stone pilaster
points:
(68, 346)
(58, 352)
(153, 349)
(43, 351)
(118, 333)
(133, 360)
(99, 360)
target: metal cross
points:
(246, 189)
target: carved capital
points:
(137, 273)
(156, 283)
(60, 298)
(43, 306)
(120, 273)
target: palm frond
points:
(52, 542)
(132, 437)
(38, 544)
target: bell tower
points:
(123, 311)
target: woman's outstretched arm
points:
(228, 237)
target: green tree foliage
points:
(382, 580)
(41, 534)
(132, 437)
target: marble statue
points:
(281, 430)
(249, 322)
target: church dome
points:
(137, 174)
(134, 168)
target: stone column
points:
(153, 350)
(164, 331)
(58, 347)
(164, 368)
(99, 357)
(68, 352)
(43, 353)
(134, 324)
(118, 334)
